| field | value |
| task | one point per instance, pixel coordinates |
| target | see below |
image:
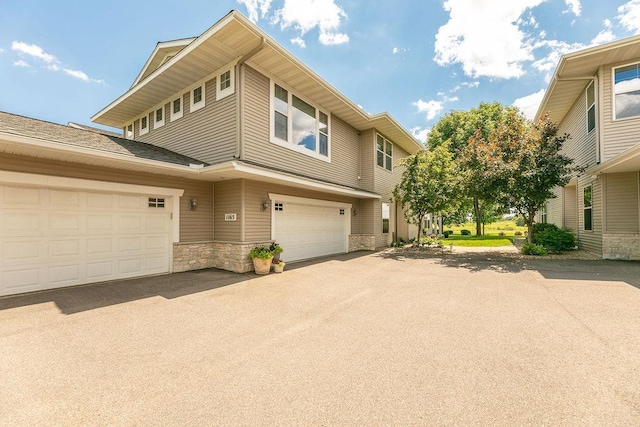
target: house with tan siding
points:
(228, 142)
(594, 96)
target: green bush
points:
(450, 232)
(533, 249)
(397, 244)
(520, 221)
(555, 239)
(446, 233)
(465, 232)
(542, 226)
(261, 252)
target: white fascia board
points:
(161, 45)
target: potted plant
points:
(276, 250)
(261, 257)
(279, 267)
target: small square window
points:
(341, 211)
(197, 98)
(225, 84)
(129, 131)
(176, 109)
(159, 118)
(144, 125)
(155, 202)
(225, 80)
(278, 206)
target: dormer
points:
(163, 52)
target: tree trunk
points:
(477, 212)
(420, 229)
(529, 221)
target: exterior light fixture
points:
(265, 205)
(193, 204)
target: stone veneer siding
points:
(234, 256)
(621, 246)
(362, 242)
(193, 256)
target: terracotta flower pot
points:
(262, 266)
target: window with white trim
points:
(626, 83)
(299, 125)
(129, 131)
(155, 202)
(587, 208)
(384, 152)
(591, 107)
(176, 108)
(385, 218)
(144, 125)
(197, 98)
(543, 214)
(158, 117)
(225, 84)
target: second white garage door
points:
(309, 228)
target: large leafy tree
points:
(428, 184)
(534, 164)
(466, 134)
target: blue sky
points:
(65, 60)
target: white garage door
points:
(51, 238)
(307, 228)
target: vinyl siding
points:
(555, 208)
(207, 134)
(580, 146)
(619, 135)
(571, 208)
(345, 145)
(194, 225)
(258, 222)
(367, 159)
(228, 199)
(621, 205)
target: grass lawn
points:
(491, 236)
(487, 240)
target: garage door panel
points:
(51, 238)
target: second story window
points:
(298, 125)
(627, 91)
(197, 98)
(176, 109)
(144, 125)
(158, 117)
(384, 152)
(225, 85)
(591, 107)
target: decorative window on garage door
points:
(155, 202)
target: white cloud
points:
(253, 6)
(529, 104)
(432, 107)
(305, 16)
(494, 50)
(35, 51)
(22, 64)
(604, 36)
(574, 6)
(81, 75)
(556, 49)
(629, 16)
(299, 41)
(1, 50)
(396, 50)
(421, 134)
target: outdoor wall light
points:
(265, 205)
(193, 204)
(355, 212)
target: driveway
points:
(374, 339)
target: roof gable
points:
(161, 54)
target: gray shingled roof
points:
(94, 129)
(66, 135)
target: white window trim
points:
(144, 131)
(195, 106)
(586, 101)
(159, 124)
(382, 218)
(289, 145)
(179, 114)
(613, 93)
(584, 208)
(220, 94)
(375, 142)
(129, 134)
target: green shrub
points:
(465, 232)
(446, 233)
(261, 252)
(520, 221)
(397, 244)
(555, 239)
(450, 232)
(275, 248)
(542, 226)
(533, 249)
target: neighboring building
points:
(595, 97)
(228, 142)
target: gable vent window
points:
(278, 206)
(159, 118)
(144, 125)
(154, 202)
(197, 98)
(591, 107)
(226, 84)
(176, 109)
(299, 125)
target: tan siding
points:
(367, 216)
(194, 225)
(228, 199)
(258, 223)
(554, 208)
(367, 159)
(590, 240)
(619, 135)
(571, 208)
(345, 146)
(208, 134)
(622, 203)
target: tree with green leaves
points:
(535, 165)
(465, 132)
(428, 184)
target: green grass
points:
(484, 241)
(491, 236)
